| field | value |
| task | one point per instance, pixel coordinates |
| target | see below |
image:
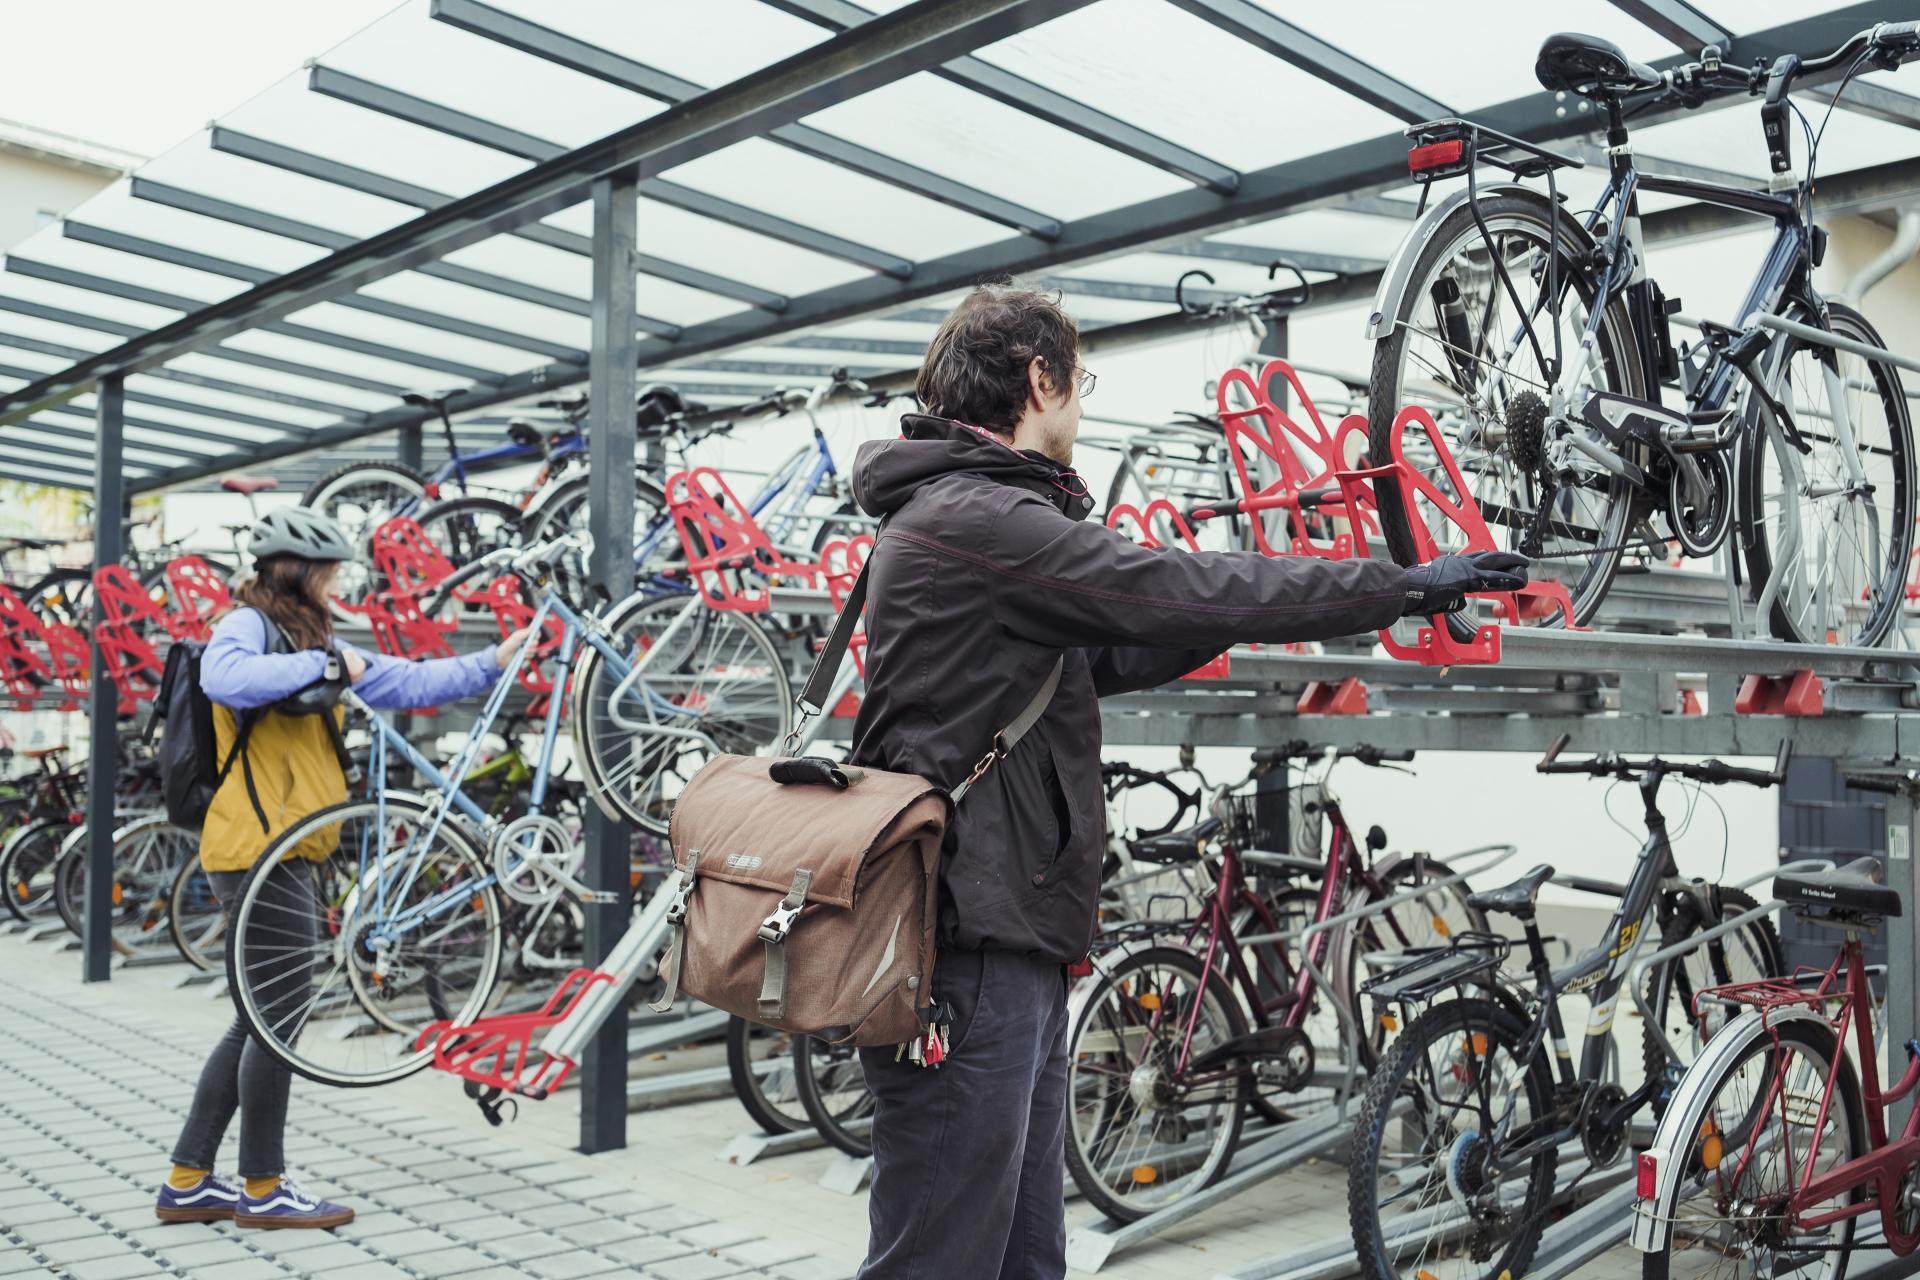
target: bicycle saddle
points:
(1515, 899)
(1591, 67)
(1851, 893)
(249, 484)
(523, 433)
(1185, 845)
(432, 399)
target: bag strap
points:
(826, 666)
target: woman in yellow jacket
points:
(287, 769)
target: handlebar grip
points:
(1897, 31)
(1378, 755)
(1274, 755)
(1892, 786)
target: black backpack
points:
(190, 768)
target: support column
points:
(410, 452)
(610, 394)
(109, 497)
(1274, 347)
(1903, 946)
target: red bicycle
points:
(1188, 1022)
(1776, 1145)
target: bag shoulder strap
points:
(1004, 741)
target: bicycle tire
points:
(466, 528)
(64, 596)
(1760, 948)
(1378, 1244)
(193, 928)
(729, 668)
(562, 507)
(359, 497)
(1129, 978)
(820, 1069)
(344, 988)
(1888, 579)
(769, 1098)
(26, 864)
(147, 852)
(1387, 395)
(1818, 1039)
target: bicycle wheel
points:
(1140, 1135)
(195, 917)
(1840, 542)
(714, 684)
(760, 1061)
(1492, 408)
(1439, 914)
(1748, 954)
(147, 855)
(1424, 1192)
(467, 528)
(562, 508)
(27, 865)
(64, 596)
(1751, 1152)
(832, 1089)
(347, 940)
(360, 497)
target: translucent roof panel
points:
(678, 36)
(711, 245)
(1731, 139)
(1400, 37)
(1324, 231)
(1140, 61)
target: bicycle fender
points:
(1653, 1218)
(1397, 277)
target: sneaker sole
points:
(315, 1223)
(193, 1215)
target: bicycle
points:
(1550, 344)
(1462, 1126)
(52, 809)
(1184, 1024)
(391, 906)
(1778, 1145)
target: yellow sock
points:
(257, 1187)
(185, 1178)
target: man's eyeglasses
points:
(1087, 381)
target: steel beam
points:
(1256, 255)
(515, 142)
(611, 391)
(1042, 103)
(1685, 26)
(1876, 101)
(603, 64)
(1272, 34)
(226, 268)
(399, 191)
(197, 306)
(103, 738)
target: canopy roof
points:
(409, 212)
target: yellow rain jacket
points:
(295, 773)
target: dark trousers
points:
(239, 1074)
(968, 1169)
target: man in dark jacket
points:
(987, 572)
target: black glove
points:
(1442, 585)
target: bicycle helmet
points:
(298, 531)
(657, 402)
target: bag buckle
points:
(776, 926)
(987, 762)
(683, 896)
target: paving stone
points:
(47, 1209)
(495, 1273)
(161, 1235)
(698, 1266)
(250, 1269)
(96, 1245)
(369, 1271)
(515, 1201)
(532, 1244)
(585, 1188)
(14, 1261)
(367, 1225)
(128, 1266)
(19, 1198)
(647, 1250)
(567, 1266)
(480, 1184)
(509, 1159)
(134, 1219)
(330, 1256)
(717, 1235)
(399, 1244)
(764, 1253)
(71, 1227)
(481, 1230)
(434, 1215)
(460, 1261)
(382, 1180)
(812, 1269)
(203, 1254)
(285, 1242)
(448, 1170)
(670, 1218)
(417, 1193)
(603, 1231)
(558, 1215)
(625, 1205)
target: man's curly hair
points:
(976, 366)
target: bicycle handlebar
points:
(1365, 753)
(1611, 764)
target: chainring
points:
(1700, 522)
(1288, 1066)
(1603, 1140)
(533, 858)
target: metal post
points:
(109, 496)
(611, 390)
(411, 454)
(1274, 346)
(1903, 948)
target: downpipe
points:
(1906, 242)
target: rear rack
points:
(1517, 156)
(1435, 969)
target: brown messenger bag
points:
(809, 889)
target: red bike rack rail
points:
(198, 595)
(128, 614)
(723, 543)
(498, 1052)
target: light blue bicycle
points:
(368, 920)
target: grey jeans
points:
(968, 1161)
(239, 1074)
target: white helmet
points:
(298, 531)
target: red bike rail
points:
(724, 543)
(23, 673)
(198, 595)
(1146, 532)
(506, 597)
(498, 1052)
(127, 613)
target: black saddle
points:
(523, 433)
(1185, 845)
(1591, 67)
(1515, 899)
(1853, 893)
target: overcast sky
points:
(143, 74)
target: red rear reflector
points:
(1646, 1175)
(1436, 154)
(1080, 968)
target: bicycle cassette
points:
(535, 858)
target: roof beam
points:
(306, 333)
(140, 246)
(175, 444)
(1264, 30)
(1663, 166)
(1041, 103)
(498, 137)
(1259, 255)
(636, 77)
(1688, 29)
(1875, 101)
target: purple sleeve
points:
(392, 684)
(237, 671)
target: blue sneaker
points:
(290, 1205)
(212, 1199)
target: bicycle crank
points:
(533, 859)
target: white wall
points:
(30, 187)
